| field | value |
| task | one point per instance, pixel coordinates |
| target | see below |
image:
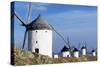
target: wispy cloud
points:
(40, 6)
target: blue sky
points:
(77, 22)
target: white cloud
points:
(40, 6)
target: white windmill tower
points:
(55, 55)
(39, 34)
(65, 52)
(83, 50)
(40, 37)
(76, 53)
(93, 53)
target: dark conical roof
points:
(65, 49)
(93, 50)
(75, 49)
(83, 47)
(39, 23)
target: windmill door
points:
(37, 50)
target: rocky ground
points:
(24, 57)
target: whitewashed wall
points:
(83, 51)
(55, 55)
(93, 53)
(66, 54)
(44, 38)
(76, 54)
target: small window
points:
(36, 50)
(36, 41)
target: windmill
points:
(94, 52)
(39, 34)
(84, 49)
(38, 23)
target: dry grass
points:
(23, 57)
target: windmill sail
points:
(19, 18)
(28, 20)
(29, 13)
(24, 39)
(24, 24)
(67, 43)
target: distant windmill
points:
(76, 53)
(83, 49)
(94, 52)
(65, 52)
